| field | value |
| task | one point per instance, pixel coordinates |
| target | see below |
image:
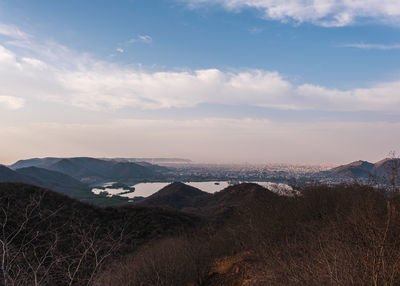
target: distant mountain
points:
(53, 180)
(152, 160)
(357, 169)
(8, 175)
(44, 178)
(35, 162)
(152, 167)
(176, 195)
(385, 167)
(82, 167)
(91, 170)
(381, 170)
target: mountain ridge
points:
(91, 170)
(365, 170)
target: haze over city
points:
(212, 81)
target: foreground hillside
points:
(243, 235)
(342, 235)
(50, 239)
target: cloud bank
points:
(48, 71)
(327, 13)
(100, 85)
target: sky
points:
(219, 81)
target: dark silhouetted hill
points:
(236, 198)
(189, 199)
(35, 162)
(176, 195)
(331, 235)
(66, 240)
(47, 179)
(91, 170)
(8, 175)
(53, 180)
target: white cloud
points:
(35, 63)
(146, 39)
(54, 73)
(11, 102)
(328, 13)
(99, 85)
(116, 88)
(372, 46)
(119, 50)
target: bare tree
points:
(94, 246)
(394, 171)
(9, 234)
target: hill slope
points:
(223, 203)
(91, 170)
(176, 195)
(35, 162)
(61, 241)
(386, 167)
(8, 175)
(357, 169)
(53, 180)
(381, 171)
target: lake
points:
(147, 189)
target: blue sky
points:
(187, 78)
(212, 37)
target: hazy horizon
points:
(205, 162)
(224, 81)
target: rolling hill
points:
(57, 240)
(220, 204)
(380, 171)
(8, 175)
(176, 195)
(91, 170)
(357, 169)
(53, 180)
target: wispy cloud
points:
(365, 46)
(119, 50)
(328, 13)
(13, 32)
(255, 30)
(146, 39)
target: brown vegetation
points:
(341, 235)
(50, 239)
